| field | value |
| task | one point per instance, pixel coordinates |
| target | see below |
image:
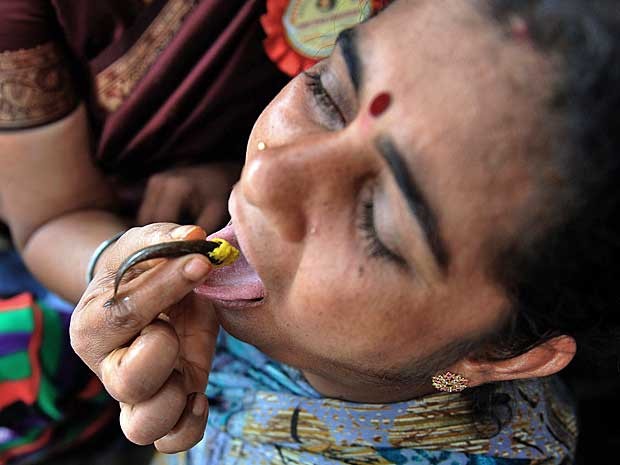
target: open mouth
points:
(234, 286)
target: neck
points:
(355, 388)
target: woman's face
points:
(371, 233)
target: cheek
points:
(351, 312)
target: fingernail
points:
(182, 231)
(199, 405)
(197, 268)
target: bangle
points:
(90, 271)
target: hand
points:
(153, 347)
(198, 193)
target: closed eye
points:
(324, 101)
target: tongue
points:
(238, 281)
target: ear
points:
(543, 360)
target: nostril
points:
(293, 228)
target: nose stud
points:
(262, 146)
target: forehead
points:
(469, 103)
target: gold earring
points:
(450, 382)
(262, 146)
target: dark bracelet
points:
(90, 271)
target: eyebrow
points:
(347, 41)
(415, 199)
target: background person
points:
(114, 113)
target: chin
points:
(253, 327)
(247, 325)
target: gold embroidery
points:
(436, 422)
(116, 82)
(35, 87)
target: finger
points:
(97, 330)
(135, 373)
(150, 420)
(190, 428)
(172, 200)
(199, 331)
(150, 200)
(196, 323)
(213, 215)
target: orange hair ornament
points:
(302, 32)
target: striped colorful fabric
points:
(49, 401)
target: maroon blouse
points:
(166, 82)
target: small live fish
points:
(218, 251)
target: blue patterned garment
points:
(263, 412)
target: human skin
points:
(468, 116)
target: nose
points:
(294, 183)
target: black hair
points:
(561, 276)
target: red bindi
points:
(380, 103)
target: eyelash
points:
(322, 97)
(366, 225)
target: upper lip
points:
(245, 250)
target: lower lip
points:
(232, 304)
